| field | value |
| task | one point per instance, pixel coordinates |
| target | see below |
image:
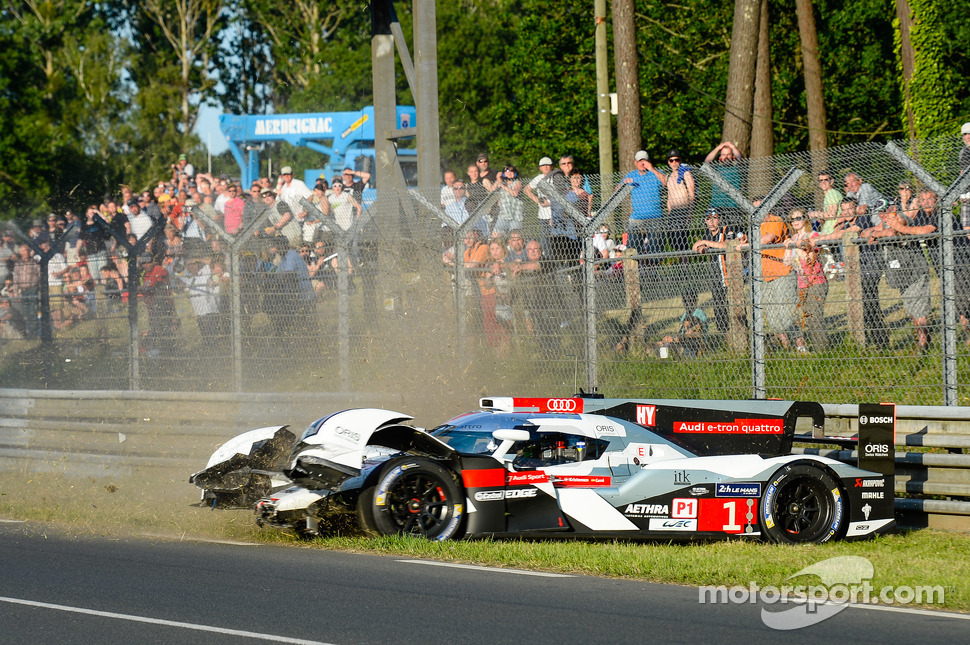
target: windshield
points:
(477, 441)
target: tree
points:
(761, 177)
(683, 74)
(39, 103)
(547, 112)
(99, 111)
(483, 95)
(243, 64)
(189, 27)
(762, 135)
(298, 37)
(812, 70)
(741, 73)
(927, 88)
(628, 123)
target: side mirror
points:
(511, 435)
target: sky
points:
(207, 127)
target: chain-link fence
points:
(856, 287)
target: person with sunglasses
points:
(802, 254)
(826, 219)
(681, 192)
(831, 201)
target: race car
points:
(556, 467)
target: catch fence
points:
(396, 303)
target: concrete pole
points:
(604, 122)
(426, 97)
(388, 213)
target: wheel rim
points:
(418, 504)
(803, 509)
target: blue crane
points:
(346, 138)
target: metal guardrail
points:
(932, 467)
(114, 433)
(118, 433)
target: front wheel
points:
(415, 497)
(802, 503)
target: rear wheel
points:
(802, 503)
(414, 497)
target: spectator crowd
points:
(525, 231)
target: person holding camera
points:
(182, 170)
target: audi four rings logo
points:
(561, 405)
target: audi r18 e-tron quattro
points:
(555, 467)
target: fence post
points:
(853, 288)
(950, 375)
(737, 311)
(631, 279)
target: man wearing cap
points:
(254, 205)
(486, 173)
(37, 232)
(715, 240)
(182, 170)
(545, 208)
(290, 190)
(965, 152)
(643, 226)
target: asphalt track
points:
(56, 588)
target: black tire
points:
(365, 511)
(414, 497)
(802, 503)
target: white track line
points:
(931, 613)
(158, 621)
(520, 572)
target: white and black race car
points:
(555, 467)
